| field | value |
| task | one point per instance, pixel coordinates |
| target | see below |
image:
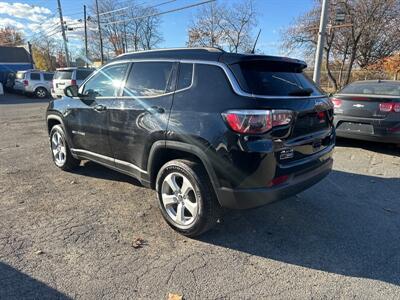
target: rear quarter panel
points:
(239, 161)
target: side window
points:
(148, 79)
(185, 76)
(35, 76)
(107, 81)
(82, 74)
(48, 76)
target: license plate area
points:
(356, 127)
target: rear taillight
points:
(336, 102)
(389, 106)
(26, 82)
(256, 121)
(73, 82)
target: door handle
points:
(156, 109)
(99, 107)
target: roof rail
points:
(209, 49)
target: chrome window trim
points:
(77, 151)
(161, 95)
(231, 78)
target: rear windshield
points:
(82, 74)
(273, 79)
(64, 74)
(20, 75)
(373, 88)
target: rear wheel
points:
(41, 93)
(186, 198)
(61, 154)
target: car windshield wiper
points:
(301, 92)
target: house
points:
(13, 59)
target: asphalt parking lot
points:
(69, 235)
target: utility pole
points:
(63, 32)
(99, 28)
(86, 48)
(321, 42)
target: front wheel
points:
(61, 154)
(186, 197)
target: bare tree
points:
(150, 33)
(45, 52)
(224, 26)
(373, 35)
(10, 36)
(238, 24)
(125, 26)
(207, 30)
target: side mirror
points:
(71, 91)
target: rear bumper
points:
(384, 131)
(298, 182)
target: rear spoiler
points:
(231, 59)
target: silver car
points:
(34, 82)
(65, 77)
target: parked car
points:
(206, 129)
(369, 110)
(33, 82)
(65, 77)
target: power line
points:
(161, 13)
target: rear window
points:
(373, 88)
(83, 74)
(64, 74)
(35, 76)
(273, 78)
(48, 76)
(20, 75)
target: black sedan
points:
(368, 110)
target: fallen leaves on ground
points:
(172, 296)
(138, 243)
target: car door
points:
(35, 80)
(139, 117)
(88, 119)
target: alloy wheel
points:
(179, 199)
(59, 149)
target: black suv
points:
(206, 129)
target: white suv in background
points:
(65, 77)
(34, 82)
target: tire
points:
(60, 152)
(200, 210)
(41, 93)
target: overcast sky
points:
(33, 16)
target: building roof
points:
(14, 55)
(209, 54)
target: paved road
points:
(69, 235)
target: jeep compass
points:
(205, 128)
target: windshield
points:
(373, 88)
(273, 79)
(64, 74)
